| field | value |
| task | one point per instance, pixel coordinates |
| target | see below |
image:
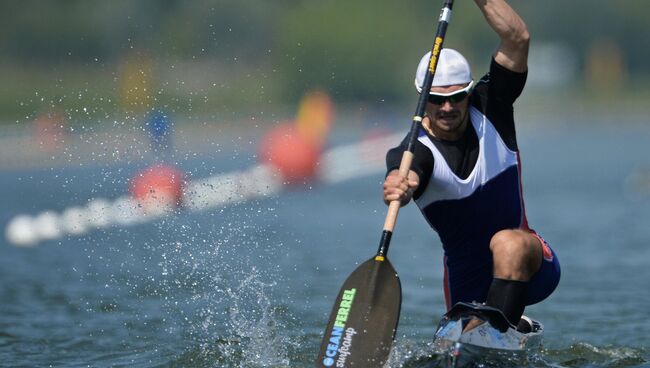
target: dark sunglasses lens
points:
(458, 97)
(455, 98)
(437, 100)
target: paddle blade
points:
(364, 318)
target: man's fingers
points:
(399, 188)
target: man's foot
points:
(472, 324)
(525, 325)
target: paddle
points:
(364, 318)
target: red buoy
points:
(158, 187)
(295, 156)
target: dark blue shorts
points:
(547, 277)
(472, 283)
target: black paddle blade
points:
(364, 319)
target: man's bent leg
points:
(517, 255)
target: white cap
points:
(452, 69)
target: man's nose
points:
(446, 105)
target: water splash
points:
(409, 353)
(583, 354)
(256, 323)
(225, 297)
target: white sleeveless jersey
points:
(467, 212)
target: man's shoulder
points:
(480, 93)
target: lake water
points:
(252, 284)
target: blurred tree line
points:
(273, 51)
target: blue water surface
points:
(252, 284)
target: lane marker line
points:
(336, 165)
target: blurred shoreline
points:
(126, 141)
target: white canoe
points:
(496, 341)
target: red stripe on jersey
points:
(524, 220)
(445, 286)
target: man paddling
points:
(466, 176)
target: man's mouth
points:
(448, 116)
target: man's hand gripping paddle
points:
(364, 318)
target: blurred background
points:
(230, 60)
(155, 214)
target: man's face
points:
(447, 110)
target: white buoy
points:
(99, 213)
(127, 211)
(211, 192)
(47, 225)
(20, 231)
(74, 221)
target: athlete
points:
(466, 176)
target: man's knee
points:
(510, 242)
(517, 254)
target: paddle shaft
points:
(365, 315)
(407, 157)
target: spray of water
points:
(225, 296)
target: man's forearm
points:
(513, 50)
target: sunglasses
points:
(454, 97)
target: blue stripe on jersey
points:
(466, 225)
